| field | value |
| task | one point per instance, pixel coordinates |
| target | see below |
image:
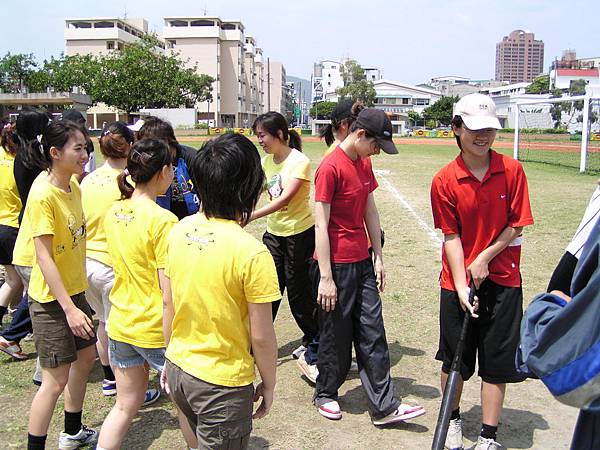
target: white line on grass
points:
(424, 225)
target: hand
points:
(478, 270)
(380, 274)
(81, 325)
(561, 294)
(267, 401)
(164, 382)
(463, 296)
(327, 294)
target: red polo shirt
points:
(479, 211)
(345, 185)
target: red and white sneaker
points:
(13, 349)
(331, 410)
(400, 414)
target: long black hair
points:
(345, 110)
(32, 124)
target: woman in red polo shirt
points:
(347, 280)
(480, 201)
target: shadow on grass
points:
(516, 428)
(257, 442)
(148, 426)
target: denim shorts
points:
(124, 355)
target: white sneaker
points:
(85, 437)
(331, 410)
(296, 353)
(487, 444)
(400, 414)
(454, 438)
(310, 371)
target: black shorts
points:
(493, 337)
(8, 237)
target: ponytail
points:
(327, 134)
(146, 158)
(294, 140)
(124, 186)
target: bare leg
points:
(44, 401)
(131, 389)
(188, 434)
(492, 398)
(102, 344)
(12, 289)
(78, 376)
(459, 389)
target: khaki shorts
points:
(101, 279)
(220, 415)
(54, 341)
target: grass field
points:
(532, 419)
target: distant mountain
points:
(305, 86)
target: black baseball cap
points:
(377, 123)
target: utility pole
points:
(268, 84)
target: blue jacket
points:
(560, 342)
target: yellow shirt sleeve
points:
(41, 217)
(260, 279)
(161, 239)
(301, 170)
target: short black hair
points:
(458, 123)
(228, 177)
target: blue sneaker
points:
(109, 387)
(152, 396)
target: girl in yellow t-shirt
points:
(10, 207)
(99, 190)
(290, 235)
(61, 317)
(218, 324)
(136, 229)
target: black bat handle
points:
(441, 429)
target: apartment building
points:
(216, 47)
(519, 57)
(99, 36)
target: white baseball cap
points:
(477, 111)
(138, 125)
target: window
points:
(171, 43)
(104, 25)
(202, 23)
(110, 45)
(178, 23)
(228, 26)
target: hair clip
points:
(126, 172)
(107, 131)
(39, 138)
(8, 126)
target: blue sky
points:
(411, 41)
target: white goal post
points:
(585, 123)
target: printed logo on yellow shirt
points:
(200, 240)
(77, 233)
(275, 186)
(124, 216)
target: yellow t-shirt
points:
(296, 216)
(10, 202)
(216, 268)
(52, 211)
(24, 252)
(136, 233)
(99, 190)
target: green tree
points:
(414, 117)
(356, 86)
(441, 111)
(322, 110)
(16, 71)
(541, 85)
